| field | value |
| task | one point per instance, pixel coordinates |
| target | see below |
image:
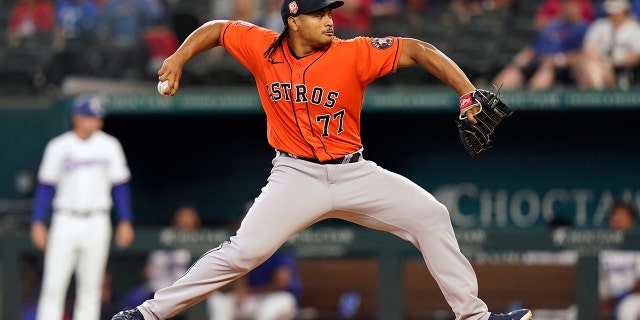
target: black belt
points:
(350, 158)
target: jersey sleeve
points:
(377, 57)
(594, 32)
(51, 167)
(635, 45)
(246, 42)
(118, 169)
(636, 263)
(603, 285)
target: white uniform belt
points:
(82, 213)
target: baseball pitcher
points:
(311, 85)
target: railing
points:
(390, 251)
(245, 100)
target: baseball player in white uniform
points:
(80, 173)
(619, 274)
(620, 270)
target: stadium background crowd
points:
(44, 42)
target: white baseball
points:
(162, 86)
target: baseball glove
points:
(476, 138)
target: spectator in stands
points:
(354, 18)
(620, 270)
(415, 13)
(622, 216)
(611, 49)
(220, 8)
(122, 25)
(108, 299)
(246, 10)
(635, 9)
(75, 34)
(99, 3)
(269, 292)
(551, 10)
(272, 19)
(217, 64)
(418, 6)
(161, 42)
(75, 19)
(386, 8)
(465, 9)
(29, 17)
(163, 267)
(552, 54)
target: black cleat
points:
(522, 314)
(132, 314)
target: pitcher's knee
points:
(247, 259)
(438, 214)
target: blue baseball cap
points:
(294, 8)
(89, 105)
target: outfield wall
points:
(563, 156)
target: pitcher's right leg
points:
(295, 196)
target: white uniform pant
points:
(300, 193)
(80, 244)
(629, 308)
(280, 305)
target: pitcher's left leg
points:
(383, 200)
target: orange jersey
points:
(313, 104)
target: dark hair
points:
(185, 205)
(276, 44)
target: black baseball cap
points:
(293, 8)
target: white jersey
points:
(619, 271)
(165, 266)
(83, 171)
(617, 44)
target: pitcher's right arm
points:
(203, 38)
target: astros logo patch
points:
(293, 7)
(382, 43)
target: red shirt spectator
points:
(354, 17)
(30, 16)
(161, 42)
(550, 10)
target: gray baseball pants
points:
(300, 193)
